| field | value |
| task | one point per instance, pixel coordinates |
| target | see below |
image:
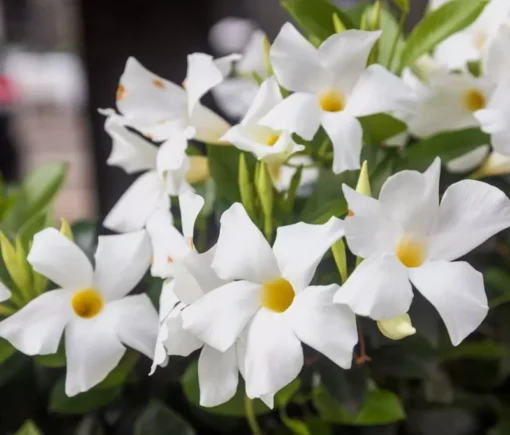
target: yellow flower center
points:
(332, 101)
(474, 100)
(275, 171)
(277, 295)
(411, 252)
(87, 303)
(271, 140)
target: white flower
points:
(471, 43)
(272, 146)
(91, 306)
(5, 293)
(168, 244)
(234, 96)
(166, 170)
(158, 108)
(332, 87)
(217, 371)
(272, 303)
(407, 237)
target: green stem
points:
(250, 416)
(268, 227)
(499, 300)
(400, 31)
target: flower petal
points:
(220, 316)
(121, 261)
(217, 375)
(92, 351)
(190, 204)
(242, 252)
(329, 328)
(173, 163)
(209, 127)
(134, 207)
(296, 63)
(470, 212)
(379, 91)
(344, 55)
(140, 334)
(359, 204)
(168, 244)
(5, 293)
(299, 113)
(144, 95)
(455, 51)
(180, 341)
(56, 257)
(270, 339)
(456, 290)
(411, 199)
(235, 96)
(378, 288)
(37, 328)
(469, 161)
(129, 151)
(267, 98)
(203, 75)
(299, 248)
(346, 135)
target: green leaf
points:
(233, 408)
(41, 186)
(315, 17)
(81, 403)
(390, 29)
(403, 5)
(28, 428)
(327, 198)
(158, 419)
(121, 373)
(447, 146)
(481, 350)
(33, 225)
(380, 127)
(438, 25)
(224, 168)
(57, 359)
(6, 350)
(380, 407)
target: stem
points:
(363, 357)
(250, 416)
(268, 228)
(400, 30)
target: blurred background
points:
(60, 61)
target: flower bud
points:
(397, 328)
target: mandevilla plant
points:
(346, 129)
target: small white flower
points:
(332, 87)
(91, 306)
(165, 174)
(271, 306)
(156, 107)
(272, 146)
(407, 236)
(5, 293)
(234, 96)
(168, 244)
(471, 43)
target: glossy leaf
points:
(438, 25)
(380, 127)
(158, 419)
(28, 428)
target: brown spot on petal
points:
(148, 136)
(350, 213)
(121, 92)
(169, 260)
(158, 83)
(191, 244)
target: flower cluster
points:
(249, 303)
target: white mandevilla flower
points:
(157, 108)
(407, 236)
(272, 146)
(170, 246)
(167, 172)
(235, 95)
(271, 305)
(218, 372)
(91, 306)
(332, 87)
(470, 44)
